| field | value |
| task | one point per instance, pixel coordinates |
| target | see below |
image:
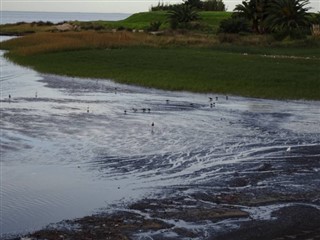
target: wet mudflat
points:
(209, 168)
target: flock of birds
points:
(148, 110)
(144, 110)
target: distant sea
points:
(55, 17)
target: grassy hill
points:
(136, 21)
(142, 20)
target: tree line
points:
(207, 5)
(280, 17)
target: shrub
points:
(288, 16)
(234, 25)
(207, 5)
(121, 28)
(154, 26)
(280, 35)
(162, 7)
(181, 15)
(315, 18)
(315, 30)
(228, 37)
(213, 5)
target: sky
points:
(104, 6)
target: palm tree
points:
(182, 14)
(254, 11)
(287, 15)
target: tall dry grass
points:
(67, 41)
(51, 42)
(315, 30)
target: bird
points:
(143, 110)
(88, 110)
(125, 111)
(149, 110)
(227, 97)
(167, 101)
(36, 94)
(210, 99)
(288, 149)
(217, 98)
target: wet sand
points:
(242, 208)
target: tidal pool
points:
(71, 147)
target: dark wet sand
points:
(241, 210)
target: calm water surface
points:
(59, 161)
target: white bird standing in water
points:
(288, 149)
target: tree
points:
(194, 3)
(287, 15)
(182, 14)
(213, 5)
(254, 11)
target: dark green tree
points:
(213, 5)
(197, 4)
(181, 15)
(253, 11)
(288, 15)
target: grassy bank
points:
(200, 67)
(210, 20)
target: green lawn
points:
(193, 69)
(142, 20)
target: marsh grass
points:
(194, 62)
(197, 70)
(54, 42)
(24, 28)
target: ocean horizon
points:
(56, 17)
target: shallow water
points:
(59, 161)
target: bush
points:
(181, 15)
(280, 35)
(299, 33)
(162, 7)
(292, 34)
(315, 30)
(121, 28)
(154, 26)
(213, 5)
(228, 37)
(234, 25)
(207, 5)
